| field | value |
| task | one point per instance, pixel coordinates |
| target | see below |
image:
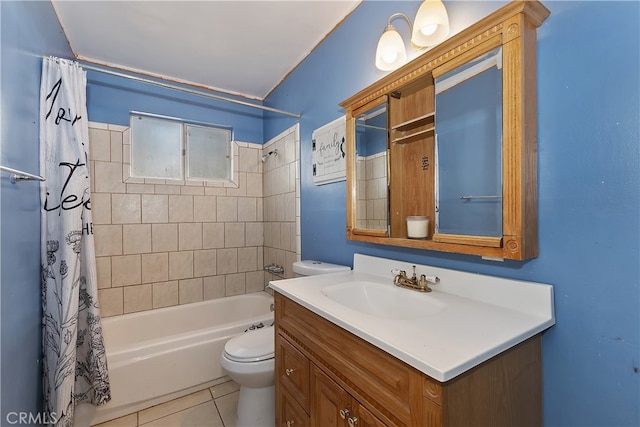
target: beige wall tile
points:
(165, 294)
(234, 234)
(180, 265)
(195, 189)
(211, 190)
(136, 239)
(190, 290)
(103, 272)
(248, 160)
(167, 189)
(108, 239)
(254, 235)
(155, 267)
(227, 261)
(138, 298)
(247, 209)
(108, 177)
(155, 208)
(214, 287)
(180, 208)
(235, 284)
(259, 209)
(140, 188)
(125, 270)
(164, 237)
(99, 145)
(101, 208)
(189, 236)
(204, 208)
(254, 184)
(125, 208)
(227, 209)
(116, 146)
(241, 188)
(212, 235)
(255, 281)
(247, 259)
(204, 263)
(111, 301)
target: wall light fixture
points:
(430, 27)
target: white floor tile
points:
(203, 415)
(228, 405)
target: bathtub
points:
(158, 355)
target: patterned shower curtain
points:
(75, 363)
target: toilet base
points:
(256, 407)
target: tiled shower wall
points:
(371, 181)
(282, 201)
(161, 243)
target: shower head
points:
(266, 156)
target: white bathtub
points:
(158, 355)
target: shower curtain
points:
(74, 359)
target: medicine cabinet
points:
(452, 136)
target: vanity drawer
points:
(292, 371)
(291, 413)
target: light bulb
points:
(389, 56)
(429, 29)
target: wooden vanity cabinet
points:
(322, 369)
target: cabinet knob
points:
(288, 371)
(353, 422)
(344, 413)
(290, 423)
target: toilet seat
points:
(253, 346)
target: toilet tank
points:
(313, 268)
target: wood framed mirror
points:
(461, 142)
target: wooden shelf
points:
(411, 136)
(413, 123)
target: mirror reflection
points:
(469, 148)
(372, 206)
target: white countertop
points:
(482, 315)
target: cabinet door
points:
(364, 418)
(330, 404)
(292, 371)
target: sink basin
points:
(381, 300)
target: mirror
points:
(457, 130)
(468, 155)
(372, 201)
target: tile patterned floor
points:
(213, 407)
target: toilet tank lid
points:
(312, 268)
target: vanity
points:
(353, 349)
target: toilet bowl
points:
(248, 359)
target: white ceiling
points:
(239, 47)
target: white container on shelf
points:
(417, 227)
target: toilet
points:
(249, 360)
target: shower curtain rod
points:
(191, 91)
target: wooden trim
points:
(369, 232)
(457, 44)
(494, 242)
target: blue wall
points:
(589, 191)
(29, 30)
(111, 98)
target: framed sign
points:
(329, 156)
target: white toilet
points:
(248, 359)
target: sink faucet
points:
(422, 285)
